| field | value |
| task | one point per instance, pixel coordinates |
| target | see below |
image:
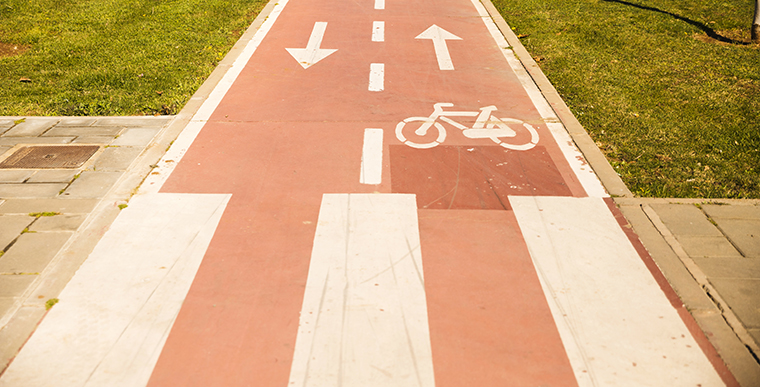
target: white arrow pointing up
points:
(439, 36)
(312, 53)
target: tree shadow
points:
(707, 30)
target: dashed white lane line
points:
(364, 315)
(379, 4)
(378, 31)
(376, 77)
(372, 157)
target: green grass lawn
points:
(112, 57)
(668, 89)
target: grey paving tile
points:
(100, 140)
(136, 137)
(15, 175)
(743, 233)
(4, 149)
(5, 124)
(31, 191)
(685, 219)
(58, 223)
(6, 303)
(87, 131)
(743, 296)
(732, 211)
(15, 285)
(116, 158)
(77, 121)
(31, 127)
(63, 205)
(729, 267)
(146, 121)
(32, 252)
(707, 246)
(92, 184)
(12, 141)
(11, 227)
(53, 176)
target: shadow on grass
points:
(707, 30)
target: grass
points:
(668, 89)
(112, 57)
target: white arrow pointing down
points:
(312, 53)
(439, 36)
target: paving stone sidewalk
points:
(43, 209)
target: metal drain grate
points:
(49, 156)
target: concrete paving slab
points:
(53, 176)
(117, 158)
(63, 205)
(15, 175)
(743, 296)
(18, 330)
(11, 227)
(13, 141)
(14, 285)
(18, 191)
(31, 127)
(755, 334)
(732, 211)
(5, 304)
(4, 149)
(6, 124)
(58, 223)
(707, 246)
(135, 121)
(87, 131)
(76, 121)
(100, 140)
(32, 252)
(743, 233)
(727, 267)
(91, 184)
(685, 219)
(136, 137)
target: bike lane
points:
(304, 234)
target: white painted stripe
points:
(379, 4)
(166, 165)
(617, 326)
(376, 77)
(372, 157)
(116, 312)
(364, 316)
(574, 157)
(378, 31)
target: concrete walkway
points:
(707, 251)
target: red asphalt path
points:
(284, 135)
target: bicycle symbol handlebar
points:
(500, 130)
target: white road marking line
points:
(372, 157)
(312, 54)
(439, 36)
(378, 31)
(379, 4)
(617, 325)
(574, 157)
(116, 312)
(376, 77)
(364, 315)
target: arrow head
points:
(437, 33)
(306, 57)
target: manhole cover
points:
(49, 156)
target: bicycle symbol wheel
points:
(420, 137)
(504, 142)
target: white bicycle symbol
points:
(486, 126)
